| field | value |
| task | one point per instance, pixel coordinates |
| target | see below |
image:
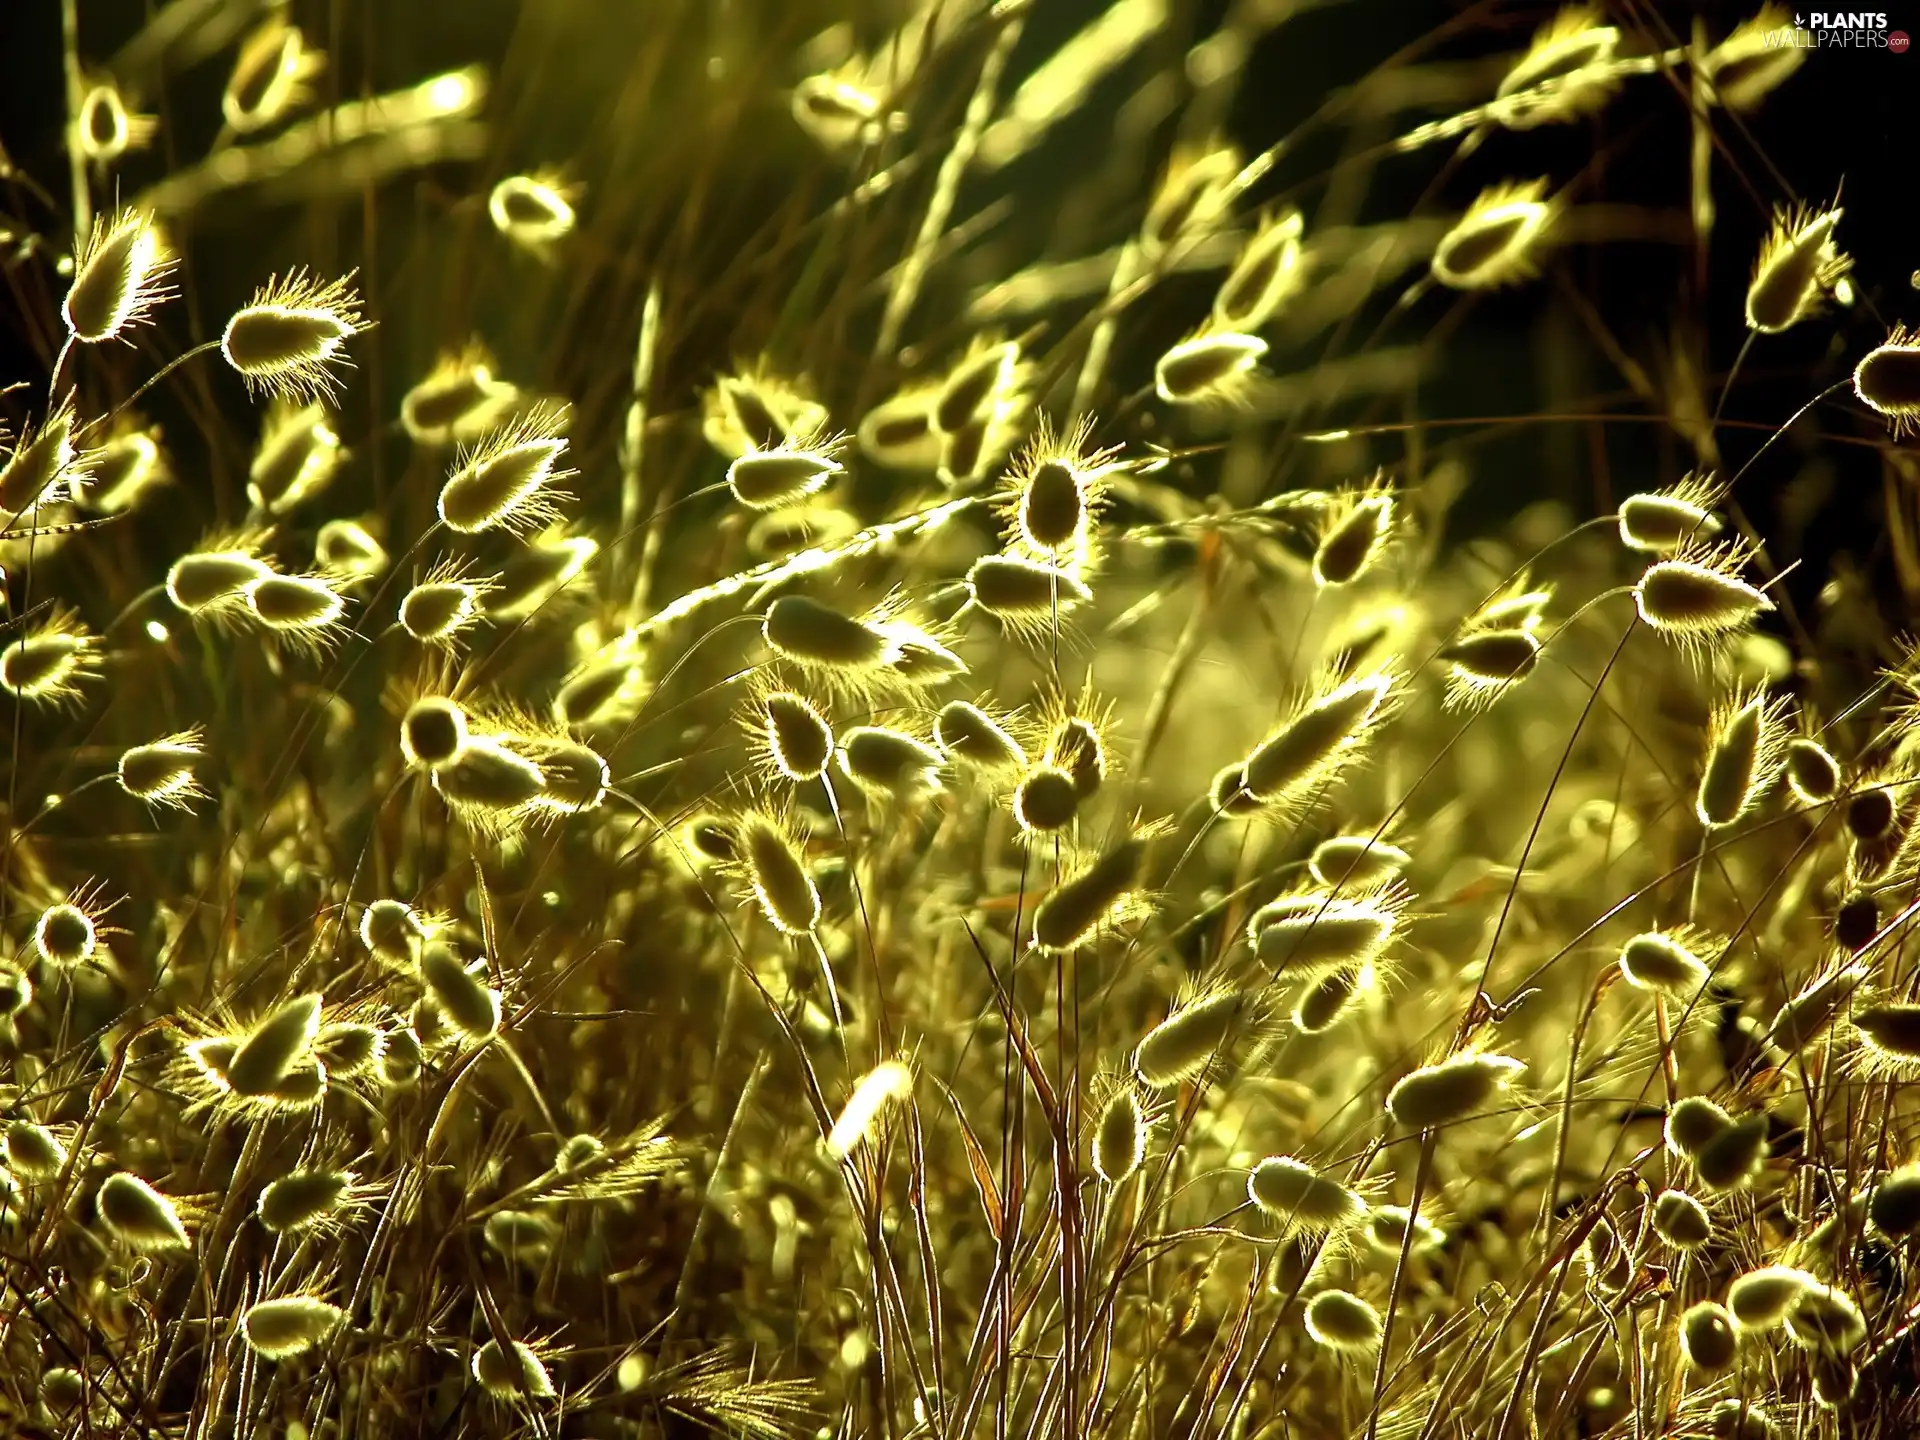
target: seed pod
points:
(514, 1372)
(778, 876)
(303, 1199)
(1206, 367)
(393, 931)
(970, 389)
(504, 483)
(967, 733)
(1076, 748)
(347, 1048)
(1743, 756)
(535, 574)
(213, 580)
(292, 1325)
(1343, 1322)
(1054, 507)
(1070, 913)
(47, 664)
(1019, 591)
(274, 1046)
(458, 402)
(1326, 1003)
(436, 611)
(1304, 753)
(886, 1082)
(529, 210)
(161, 773)
(521, 1235)
(1696, 596)
(809, 633)
(573, 777)
(1663, 964)
(1731, 1159)
(44, 467)
(1455, 1089)
(1692, 1124)
(460, 992)
(1797, 262)
(1484, 663)
(139, 1216)
(433, 732)
(1184, 1044)
(1120, 1137)
(1808, 1015)
(305, 609)
(579, 1153)
(106, 129)
(1892, 1031)
(1386, 1231)
(1666, 521)
(1045, 800)
(298, 455)
(65, 935)
(34, 1151)
(1353, 542)
(1812, 771)
(1266, 274)
(1760, 1299)
(758, 412)
(1825, 1321)
(1895, 1204)
(768, 479)
(1708, 1339)
(489, 779)
(119, 277)
(886, 762)
(1681, 1220)
(1495, 242)
(1887, 380)
(1292, 1191)
(1313, 934)
(286, 339)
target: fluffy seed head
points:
(1076, 747)
(209, 582)
(887, 762)
(1895, 1204)
(1453, 1090)
(1738, 1418)
(347, 1047)
(1053, 509)
(44, 467)
(291, 1325)
(535, 574)
(460, 992)
(886, 1082)
(1760, 1299)
(798, 737)
(1353, 538)
(274, 1047)
(139, 1216)
(1293, 1192)
(1566, 72)
(1826, 1321)
(1708, 1339)
(1483, 663)
(1665, 521)
(1329, 999)
(16, 990)
(1812, 772)
(288, 338)
(1206, 368)
(1808, 1015)
(303, 609)
(969, 734)
(65, 935)
(119, 277)
(33, 1150)
(768, 479)
(1266, 274)
(1496, 242)
(303, 1199)
(1731, 1159)
(1184, 1044)
(488, 779)
(973, 386)
(1751, 63)
(1309, 749)
(433, 732)
(393, 931)
(1073, 910)
(1797, 264)
(1120, 1136)
(512, 1372)
(521, 1235)
(1693, 1123)
(504, 482)
(161, 773)
(124, 471)
(1744, 752)
(530, 210)
(778, 876)
(1661, 962)
(1343, 1321)
(1698, 595)
(1022, 592)
(573, 776)
(1192, 195)
(1887, 379)
(1681, 1220)
(47, 663)
(1045, 800)
(809, 633)
(1313, 933)
(272, 76)
(434, 612)
(1892, 1031)
(459, 401)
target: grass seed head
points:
(120, 276)
(272, 76)
(1120, 1136)
(1894, 1206)
(1356, 862)
(1797, 265)
(1069, 914)
(1077, 748)
(1210, 367)
(1810, 1013)
(1760, 1299)
(769, 479)
(347, 1048)
(274, 1046)
(968, 734)
(1871, 813)
(124, 471)
(1314, 933)
(1351, 541)
(1385, 1231)
(434, 612)
(530, 210)
(1344, 1322)
(898, 434)
(973, 387)
(16, 990)
(402, 1057)
(1663, 962)
(460, 992)
(48, 663)
(433, 732)
(1189, 1040)
(574, 777)
(214, 582)
(1732, 1158)
(514, 1371)
(393, 931)
(44, 468)
(1266, 274)
(1496, 243)
(535, 574)
(304, 1199)
(298, 455)
(1738, 1418)
(1681, 1220)
(798, 738)
(1825, 1321)
(1665, 521)
(1745, 749)
(1323, 734)
(1567, 72)
(65, 935)
(1751, 63)
(1456, 1089)
(1295, 1194)
(1053, 509)
(879, 1087)
(304, 610)
(34, 1151)
(1892, 1032)
(106, 129)
(1023, 594)
(139, 1216)
(1812, 772)
(1708, 1340)
(758, 410)
(458, 402)
(505, 481)
(291, 1325)
(287, 340)
(778, 875)
(815, 636)
(886, 762)
(521, 1236)
(1694, 1122)
(1330, 998)
(1698, 595)
(1483, 664)
(1887, 380)
(1045, 800)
